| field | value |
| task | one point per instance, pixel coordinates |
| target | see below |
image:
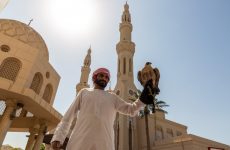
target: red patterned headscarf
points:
(101, 70)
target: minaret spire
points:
(85, 70)
(87, 61)
(126, 15)
(125, 87)
(125, 25)
(125, 48)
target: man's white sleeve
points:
(128, 108)
(63, 127)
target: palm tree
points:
(152, 108)
(159, 105)
(146, 113)
(42, 147)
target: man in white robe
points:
(96, 111)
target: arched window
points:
(169, 133)
(37, 82)
(48, 93)
(159, 133)
(178, 133)
(124, 66)
(9, 68)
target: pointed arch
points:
(37, 82)
(159, 133)
(9, 68)
(47, 95)
(124, 65)
(169, 133)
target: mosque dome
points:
(25, 34)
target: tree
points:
(42, 147)
(159, 105)
(152, 108)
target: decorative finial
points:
(89, 50)
(126, 6)
(30, 21)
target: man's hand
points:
(56, 145)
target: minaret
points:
(85, 70)
(125, 87)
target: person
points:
(96, 110)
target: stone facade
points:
(28, 83)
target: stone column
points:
(41, 133)
(31, 140)
(7, 118)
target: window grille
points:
(9, 68)
(48, 93)
(124, 66)
(37, 83)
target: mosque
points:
(28, 85)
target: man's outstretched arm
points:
(64, 126)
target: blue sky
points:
(189, 41)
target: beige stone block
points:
(3, 56)
(45, 105)
(52, 111)
(58, 115)
(25, 55)
(16, 88)
(40, 65)
(18, 85)
(5, 39)
(14, 46)
(27, 65)
(18, 46)
(5, 83)
(54, 73)
(25, 58)
(37, 99)
(42, 88)
(49, 107)
(30, 93)
(25, 72)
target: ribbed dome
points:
(25, 34)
